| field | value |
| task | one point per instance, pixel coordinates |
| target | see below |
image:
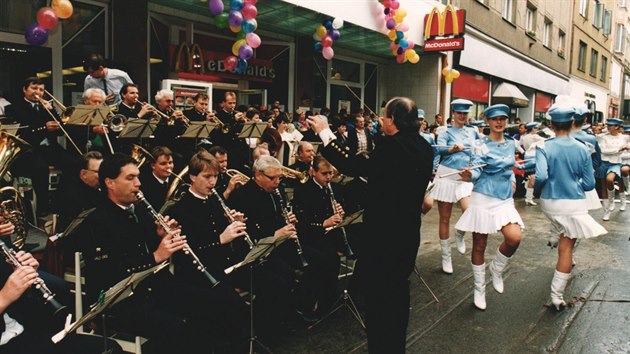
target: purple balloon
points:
(235, 18)
(216, 7)
(390, 24)
(334, 34)
(245, 52)
(36, 34)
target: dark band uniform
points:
(236, 147)
(153, 190)
(176, 316)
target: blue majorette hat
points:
(561, 114)
(613, 121)
(496, 110)
(461, 105)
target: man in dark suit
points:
(342, 134)
(225, 184)
(398, 172)
(39, 130)
(233, 120)
(359, 138)
(305, 155)
(156, 180)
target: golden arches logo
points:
(192, 59)
(441, 16)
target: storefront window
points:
(19, 62)
(345, 71)
(14, 14)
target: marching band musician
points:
(528, 142)
(398, 171)
(233, 120)
(199, 112)
(129, 106)
(168, 130)
(564, 171)
(116, 241)
(491, 208)
(156, 180)
(590, 140)
(305, 156)
(219, 244)
(225, 184)
(455, 148)
(312, 205)
(612, 144)
(257, 200)
(41, 132)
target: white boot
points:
(626, 183)
(529, 197)
(607, 211)
(460, 242)
(447, 265)
(479, 274)
(558, 283)
(622, 201)
(496, 268)
(553, 240)
(611, 199)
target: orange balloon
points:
(448, 79)
(63, 8)
(455, 73)
(445, 71)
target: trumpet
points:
(285, 214)
(231, 218)
(294, 174)
(47, 295)
(169, 120)
(224, 128)
(159, 218)
(243, 178)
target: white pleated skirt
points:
(449, 189)
(569, 217)
(487, 215)
(592, 200)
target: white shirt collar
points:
(162, 181)
(198, 196)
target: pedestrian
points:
(612, 144)
(491, 206)
(454, 146)
(564, 171)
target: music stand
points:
(88, 115)
(344, 299)
(139, 129)
(11, 128)
(122, 290)
(198, 130)
(252, 130)
(256, 256)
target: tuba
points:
(178, 186)
(294, 174)
(12, 208)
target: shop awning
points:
(510, 95)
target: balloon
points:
(249, 11)
(445, 71)
(236, 5)
(237, 45)
(327, 24)
(249, 26)
(316, 37)
(334, 34)
(63, 8)
(47, 18)
(387, 3)
(414, 59)
(411, 45)
(327, 41)
(216, 7)
(400, 51)
(321, 31)
(390, 24)
(230, 63)
(391, 35)
(337, 23)
(221, 21)
(400, 15)
(235, 18)
(393, 46)
(328, 53)
(242, 66)
(448, 79)
(245, 52)
(403, 43)
(240, 35)
(409, 53)
(253, 40)
(386, 11)
(403, 27)
(236, 29)
(251, 2)
(35, 34)
(317, 46)
(400, 35)
(455, 74)
(395, 4)
(400, 58)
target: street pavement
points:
(521, 320)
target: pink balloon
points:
(249, 11)
(253, 2)
(328, 53)
(327, 41)
(387, 3)
(253, 40)
(411, 45)
(395, 4)
(47, 18)
(393, 46)
(400, 58)
(403, 27)
(230, 63)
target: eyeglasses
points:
(169, 100)
(271, 178)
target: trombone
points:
(61, 106)
(169, 120)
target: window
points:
(561, 41)
(530, 19)
(507, 10)
(547, 33)
(593, 68)
(620, 37)
(598, 16)
(622, 3)
(582, 57)
(602, 71)
(607, 22)
(584, 8)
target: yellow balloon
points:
(391, 35)
(445, 71)
(62, 8)
(448, 79)
(455, 74)
(409, 53)
(400, 15)
(321, 31)
(237, 45)
(414, 59)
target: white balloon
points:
(337, 23)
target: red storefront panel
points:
(543, 102)
(471, 86)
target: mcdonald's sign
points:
(444, 31)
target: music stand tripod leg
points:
(252, 336)
(415, 270)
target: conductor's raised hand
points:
(317, 123)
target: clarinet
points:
(285, 213)
(47, 295)
(159, 218)
(346, 244)
(231, 218)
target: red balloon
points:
(47, 18)
(230, 63)
(327, 41)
